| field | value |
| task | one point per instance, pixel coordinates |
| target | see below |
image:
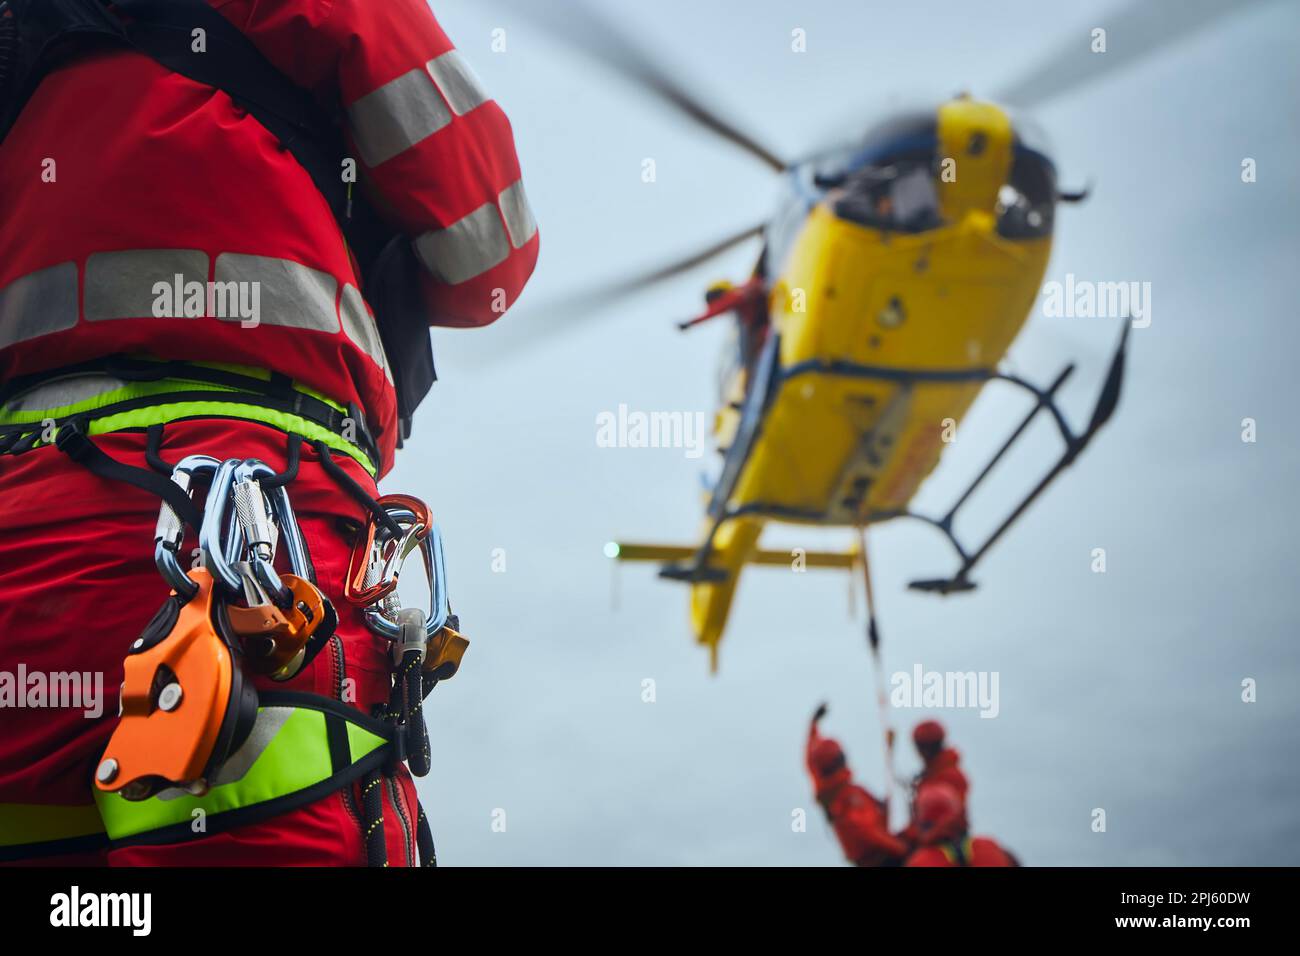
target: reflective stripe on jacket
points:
(160, 219)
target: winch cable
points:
(878, 670)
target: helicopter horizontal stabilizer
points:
(681, 564)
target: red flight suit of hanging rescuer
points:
(121, 178)
(941, 764)
(942, 833)
(857, 817)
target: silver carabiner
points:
(213, 539)
(435, 570)
(256, 533)
(170, 530)
(259, 517)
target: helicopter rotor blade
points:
(550, 316)
(594, 298)
(1135, 32)
(578, 25)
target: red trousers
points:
(78, 583)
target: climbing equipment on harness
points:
(426, 647)
(186, 702)
(194, 734)
(373, 573)
(377, 561)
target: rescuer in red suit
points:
(858, 818)
(941, 833)
(120, 177)
(940, 762)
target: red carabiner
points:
(377, 546)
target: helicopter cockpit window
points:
(889, 181)
(899, 197)
(1027, 202)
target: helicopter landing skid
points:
(1074, 444)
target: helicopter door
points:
(762, 386)
(868, 460)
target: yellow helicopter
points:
(905, 270)
(891, 284)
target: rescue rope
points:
(878, 672)
(424, 839)
(372, 803)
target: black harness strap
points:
(74, 443)
(276, 395)
(153, 449)
(961, 850)
(292, 458)
(346, 482)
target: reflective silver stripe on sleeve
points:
(466, 248)
(518, 214)
(288, 293)
(396, 116)
(457, 82)
(121, 285)
(360, 327)
(38, 303)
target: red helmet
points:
(826, 757)
(940, 813)
(928, 737)
(928, 732)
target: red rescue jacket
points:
(944, 769)
(857, 817)
(120, 174)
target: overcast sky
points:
(1119, 691)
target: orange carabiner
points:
(376, 548)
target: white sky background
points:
(1118, 690)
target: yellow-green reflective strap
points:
(166, 413)
(22, 823)
(296, 758)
